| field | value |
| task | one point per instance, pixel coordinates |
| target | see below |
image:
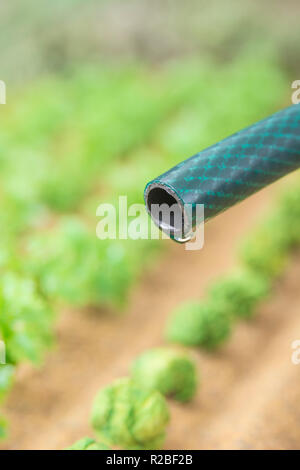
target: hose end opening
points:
(167, 211)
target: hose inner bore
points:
(167, 211)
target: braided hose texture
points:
(233, 169)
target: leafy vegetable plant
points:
(127, 415)
(240, 292)
(205, 324)
(86, 443)
(171, 372)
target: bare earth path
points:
(250, 391)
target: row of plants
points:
(132, 413)
(58, 140)
(263, 258)
(236, 296)
(47, 259)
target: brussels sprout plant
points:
(240, 292)
(171, 372)
(86, 443)
(130, 416)
(204, 324)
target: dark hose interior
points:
(170, 220)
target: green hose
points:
(226, 173)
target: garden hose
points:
(226, 173)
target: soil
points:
(249, 392)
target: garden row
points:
(132, 413)
(68, 145)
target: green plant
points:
(6, 381)
(288, 215)
(26, 320)
(205, 324)
(240, 292)
(265, 252)
(130, 416)
(2, 428)
(264, 256)
(86, 443)
(171, 372)
(72, 265)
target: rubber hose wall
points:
(228, 172)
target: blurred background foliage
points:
(40, 36)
